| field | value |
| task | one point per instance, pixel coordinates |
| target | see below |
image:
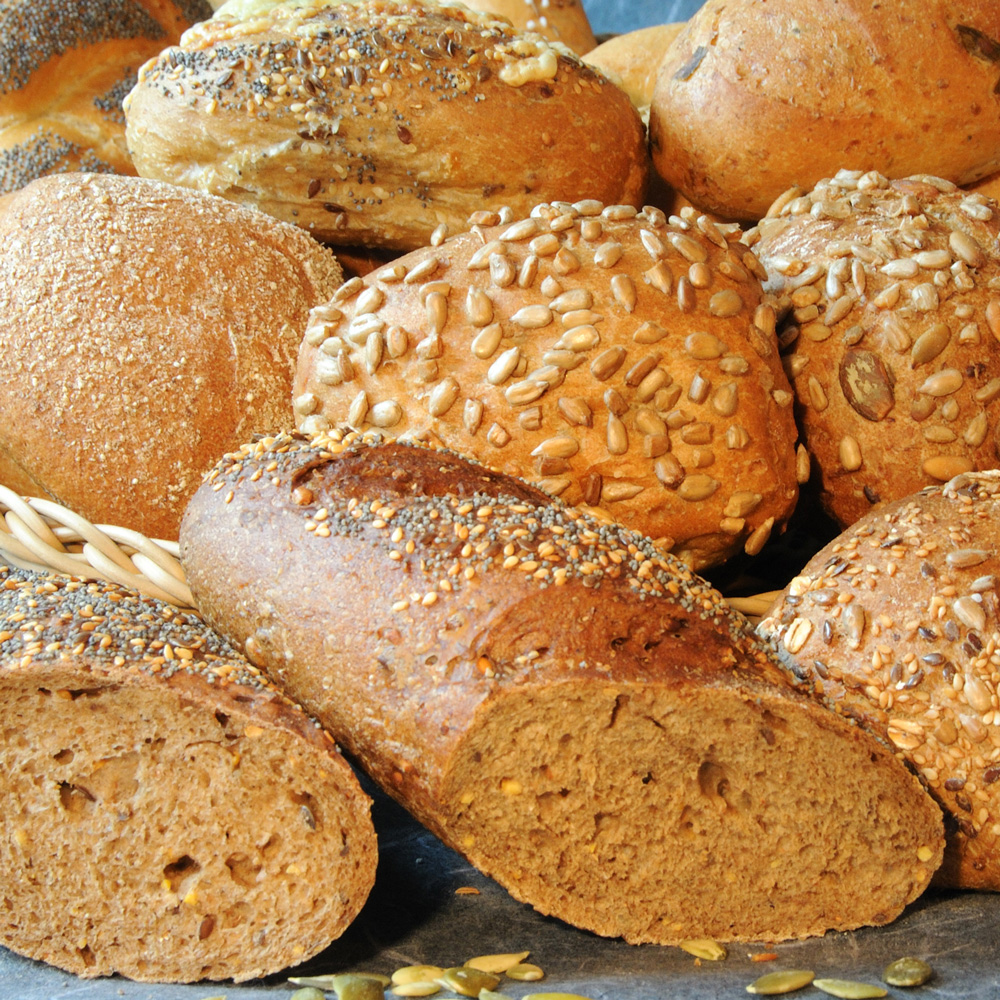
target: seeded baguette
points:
(375, 122)
(169, 815)
(149, 328)
(65, 66)
(896, 621)
(758, 95)
(616, 359)
(891, 331)
(572, 709)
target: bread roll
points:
(896, 620)
(614, 359)
(567, 706)
(632, 59)
(758, 95)
(563, 21)
(65, 66)
(891, 341)
(147, 329)
(168, 815)
(441, 112)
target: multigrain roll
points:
(146, 330)
(618, 360)
(570, 708)
(381, 123)
(758, 95)
(891, 341)
(896, 621)
(168, 814)
(65, 66)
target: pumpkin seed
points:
(490, 995)
(554, 996)
(496, 964)
(848, 989)
(907, 971)
(786, 981)
(418, 989)
(467, 982)
(525, 972)
(415, 974)
(306, 993)
(704, 948)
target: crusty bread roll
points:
(147, 329)
(615, 359)
(892, 334)
(896, 621)
(65, 66)
(168, 814)
(633, 59)
(440, 113)
(759, 95)
(563, 21)
(570, 708)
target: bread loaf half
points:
(65, 66)
(573, 710)
(620, 360)
(897, 622)
(168, 814)
(375, 122)
(146, 330)
(891, 329)
(758, 95)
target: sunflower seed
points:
(617, 436)
(532, 317)
(560, 446)
(945, 467)
(797, 635)
(608, 254)
(580, 338)
(485, 343)
(478, 307)
(850, 453)
(442, 396)
(503, 367)
(942, 383)
(607, 363)
(472, 415)
(725, 303)
(975, 433)
(705, 948)
(662, 278)
(697, 487)
(503, 271)
(524, 392)
(965, 248)
(615, 490)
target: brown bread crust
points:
(65, 67)
(757, 96)
(896, 621)
(632, 60)
(573, 710)
(891, 335)
(442, 111)
(150, 328)
(563, 21)
(169, 815)
(616, 359)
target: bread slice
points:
(168, 815)
(581, 716)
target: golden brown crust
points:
(147, 329)
(517, 673)
(563, 21)
(616, 360)
(755, 97)
(632, 60)
(438, 113)
(896, 620)
(65, 68)
(164, 880)
(891, 338)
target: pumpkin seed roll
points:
(896, 620)
(568, 706)
(620, 360)
(891, 331)
(65, 67)
(380, 123)
(169, 815)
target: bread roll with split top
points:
(169, 815)
(381, 122)
(573, 710)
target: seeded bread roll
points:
(562, 21)
(573, 710)
(147, 328)
(891, 339)
(379, 123)
(613, 359)
(168, 814)
(758, 95)
(897, 622)
(65, 66)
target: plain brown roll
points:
(891, 331)
(632, 60)
(169, 815)
(147, 328)
(65, 67)
(896, 621)
(390, 142)
(575, 711)
(759, 95)
(616, 359)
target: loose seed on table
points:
(786, 981)
(849, 990)
(525, 972)
(704, 948)
(416, 974)
(907, 971)
(496, 964)
(306, 993)
(467, 982)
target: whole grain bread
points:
(575, 711)
(169, 815)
